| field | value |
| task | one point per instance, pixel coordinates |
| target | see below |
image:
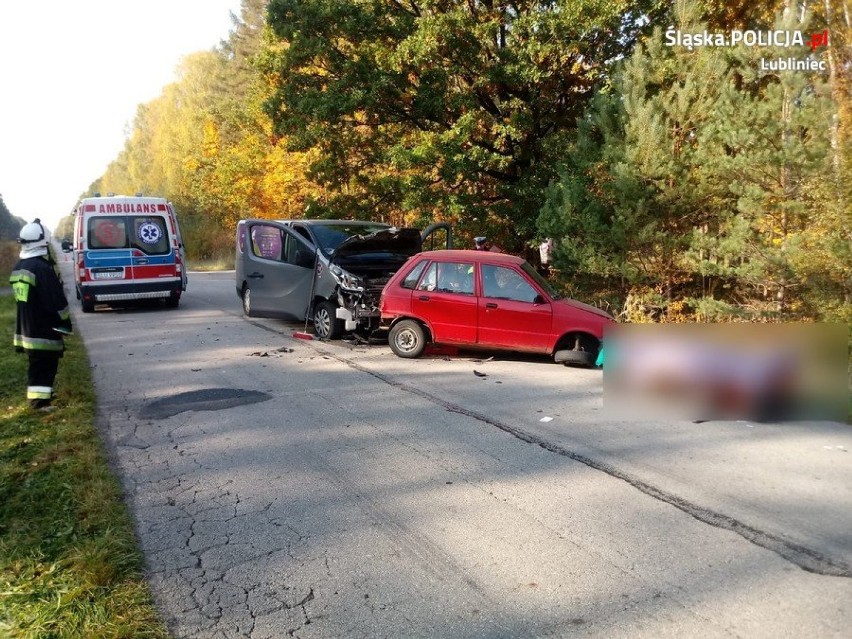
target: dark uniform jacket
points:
(43, 314)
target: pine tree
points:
(632, 211)
(773, 128)
(703, 183)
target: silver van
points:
(330, 270)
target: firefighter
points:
(43, 315)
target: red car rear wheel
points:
(407, 339)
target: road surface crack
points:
(805, 558)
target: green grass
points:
(69, 563)
(212, 264)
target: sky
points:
(72, 73)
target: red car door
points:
(445, 300)
(512, 313)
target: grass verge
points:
(213, 264)
(69, 563)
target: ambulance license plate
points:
(108, 273)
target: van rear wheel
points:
(247, 301)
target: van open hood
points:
(388, 245)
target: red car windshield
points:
(543, 283)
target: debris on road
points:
(546, 419)
(282, 349)
(478, 374)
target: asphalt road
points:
(283, 487)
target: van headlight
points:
(346, 280)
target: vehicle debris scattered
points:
(282, 349)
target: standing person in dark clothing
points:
(481, 243)
(43, 316)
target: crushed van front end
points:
(358, 299)
(358, 271)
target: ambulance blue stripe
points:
(101, 258)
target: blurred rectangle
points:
(759, 372)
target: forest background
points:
(677, 183)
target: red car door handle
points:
(490, 305)
(424, 298)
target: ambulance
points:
(127, 248)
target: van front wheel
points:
(326, 324)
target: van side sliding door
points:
(279, 268)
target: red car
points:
(486, 300)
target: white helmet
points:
(33, 239)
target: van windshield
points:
(330, 236)
(144, 232)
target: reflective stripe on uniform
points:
(23, 275)
(21, 281)
(38, 343)
(64, 314)
(39, 392)
(21, 291)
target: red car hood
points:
(585, 307)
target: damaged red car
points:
(486, 300)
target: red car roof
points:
(487, 257)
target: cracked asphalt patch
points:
(205, 399)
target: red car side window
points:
(430, 279)
(454, 277)
(507, 284)
(410, 281)
(448, 277)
